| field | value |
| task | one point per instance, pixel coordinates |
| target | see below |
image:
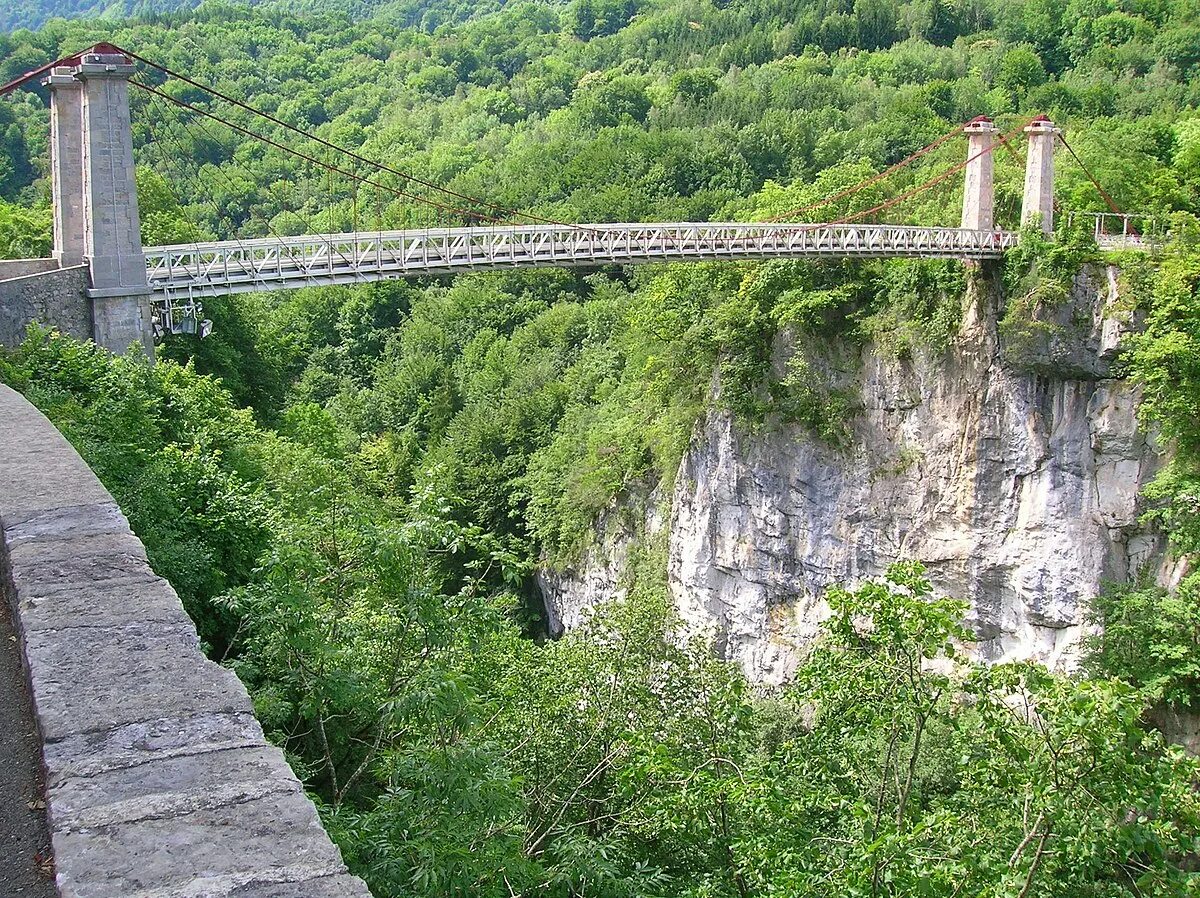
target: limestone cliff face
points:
(1019, 491)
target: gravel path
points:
(24, 837)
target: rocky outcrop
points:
(1178, 726)
(1012, 468)
(572, 593)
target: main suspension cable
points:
(931, 182)
(468, 214)
(345, 150)
(928, 148)
(219, 172)
(166, 132)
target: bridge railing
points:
(1118, 230)
(209, 269)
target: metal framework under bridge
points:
(195, 271)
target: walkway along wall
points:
(159, 780)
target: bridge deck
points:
(240, 266)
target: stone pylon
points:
(66, 165)
(98, 209)
(979, 193)
(1037, 204)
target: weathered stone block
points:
(205, 854)
(66, 523)
(90, 753)
(19, 268)
(97, 678)
(113, 603)
(325, 887)
(42, 552)
(44, 566)
(171, 786)
(41, 471)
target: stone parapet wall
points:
(55, 298)
(15, 268)
(159, 779)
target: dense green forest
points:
(35, 13)
(428, 14)
(350, 488)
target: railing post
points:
(1037, 205)
(113, 234)
(979, 195)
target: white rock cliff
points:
(1017, 484)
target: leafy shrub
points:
(172, 450)
(24, 233)
(1150, 638)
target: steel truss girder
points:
(202, 270)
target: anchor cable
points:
(1112, 205)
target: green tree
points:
(24, 233)
(173, 451)
(875, 23)
(16, 167)
(1020, 71)
(694, 85)
(1165, 361)
(1150, 637)
(611, 99)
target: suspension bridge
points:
(131, 293)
